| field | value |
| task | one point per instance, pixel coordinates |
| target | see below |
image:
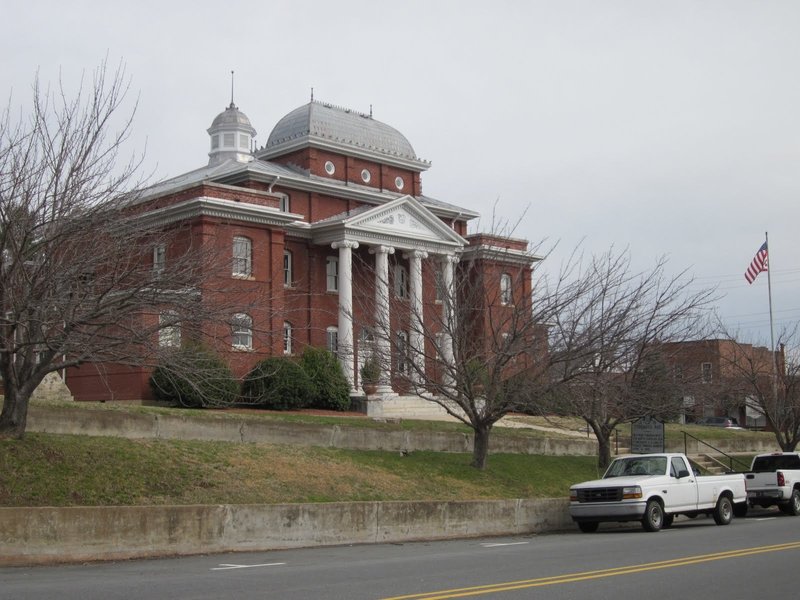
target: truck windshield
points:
(637, 465)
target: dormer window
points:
(229, 140)
(214, 142)
(244, 141)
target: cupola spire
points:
(231, 135)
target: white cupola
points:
(231, 137)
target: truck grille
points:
(610, 494)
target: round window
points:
(330, 168)
(365, 175)
(399, 183)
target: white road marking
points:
(227, 567)
(508, 544)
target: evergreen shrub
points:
(330, 389)
(194, 377)
(277, 383)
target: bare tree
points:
(80, 276)
(481, 350)
(767, 382)
(618, 329)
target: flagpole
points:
(771, 322)
(769, 292)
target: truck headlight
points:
(631, 493)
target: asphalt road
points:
(755, 557)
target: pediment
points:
(404, 217)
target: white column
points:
(345, 325)
(448, 308)
(416, 336)
(383, 332)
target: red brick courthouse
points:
(328, 230)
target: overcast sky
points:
(669, 127)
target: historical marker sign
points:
(647, 435)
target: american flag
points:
(760, 263)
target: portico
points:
(402, 228)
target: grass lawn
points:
(63, 470)
(66, 470)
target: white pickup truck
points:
(775, 480)
(654, 489)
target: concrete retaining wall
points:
(733, 446)
(131, 425)
(51, 535)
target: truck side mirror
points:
(683, 473)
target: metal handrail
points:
(723, 453)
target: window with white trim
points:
(332, 273)
(287, 337)
(402, 352)
(242, 257)
(169, 329)
(438, 283)
(242, 331)
(332, 339)
(400, 281)
(287, 268)
(283, 203)
(159, 258)
(506, 295)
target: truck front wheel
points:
(723, 511)
(588, 526)
(653, 516)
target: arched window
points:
(506, 294)
(332, 339)
(242, 257)
(287, 268)
(242, 331)
(287, 337)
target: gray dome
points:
(343, 127)
(231, 116)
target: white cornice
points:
(222, 209)
(500, 255)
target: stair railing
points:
(731, 459)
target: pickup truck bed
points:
(774, 480)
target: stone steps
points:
(405, 407)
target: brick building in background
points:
(714, 373)
(328, 231)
